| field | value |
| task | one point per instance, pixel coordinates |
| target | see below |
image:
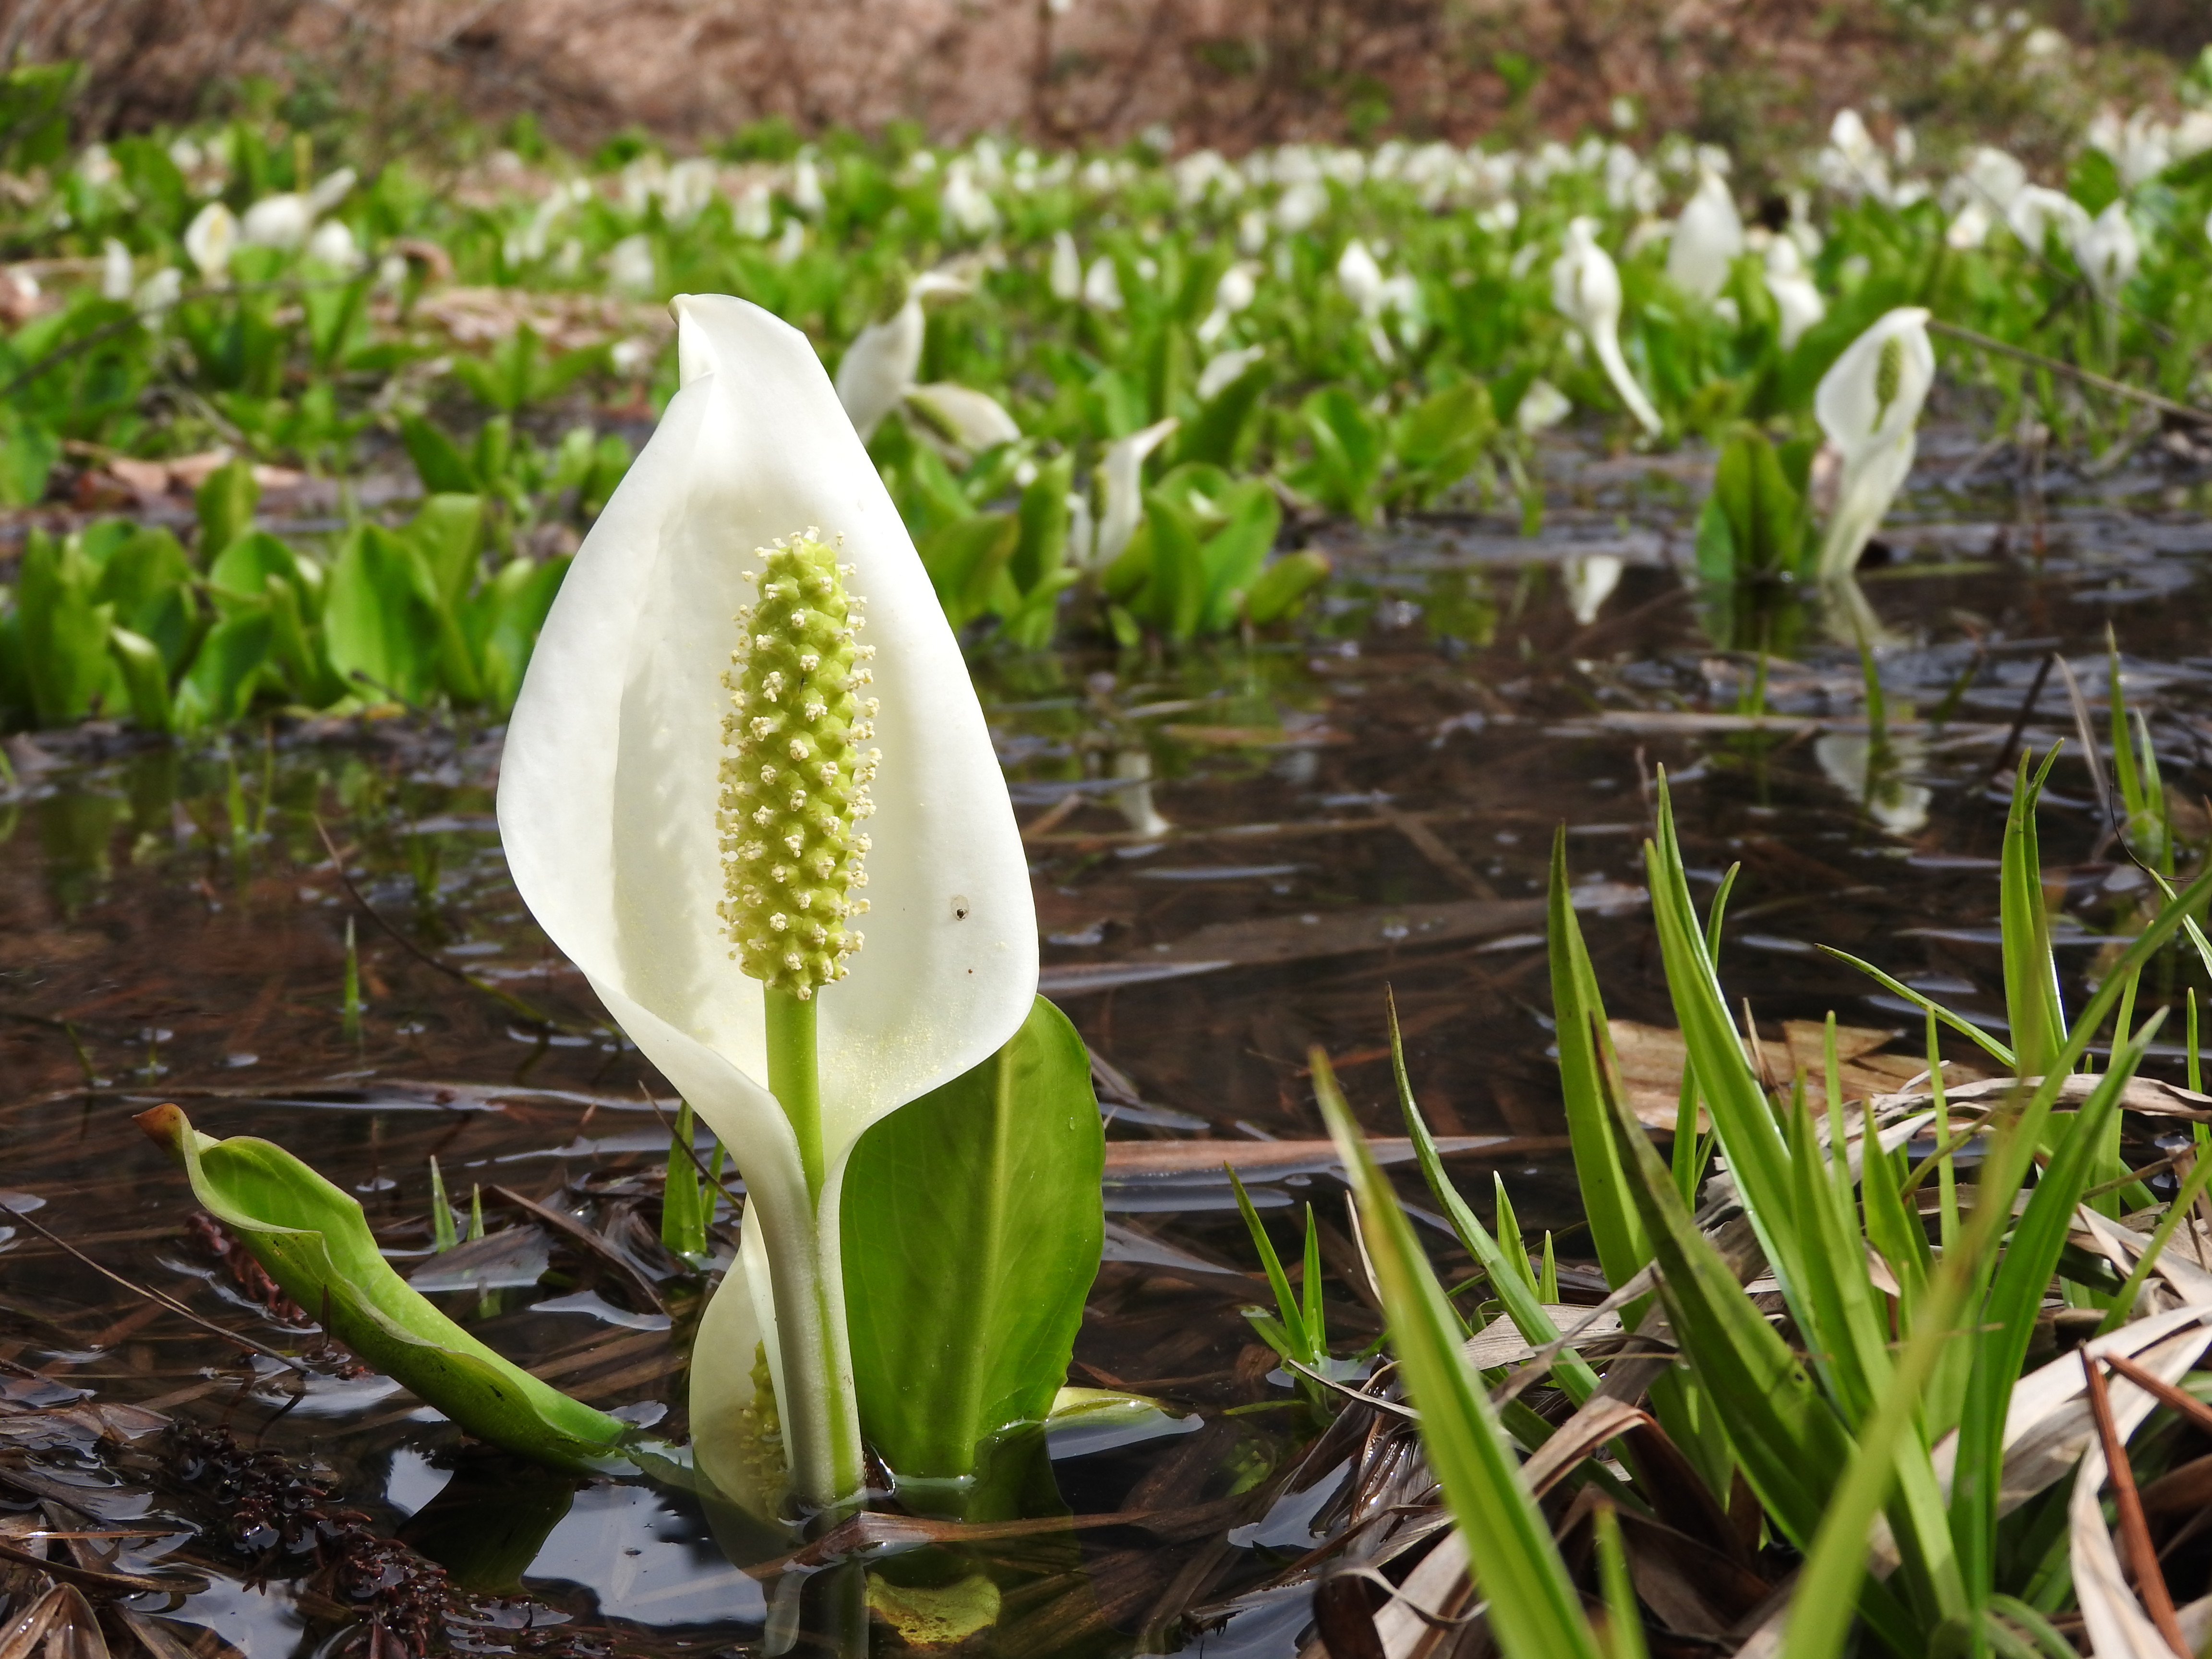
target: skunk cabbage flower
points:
(1238, 287)
(1879, 784)
(1797, 296)
(630, 265)
(1590, 582)
(1360, 277)
(1102, 285)
(1868, 406)
(1066, 273)
(1708, 237)
(1122, 479)
(2107, 250)
(878, 367)
(1225, 368)
(975, 420)
(1542, 407)
(210, 239)
(158, 294)
(2036, 209)
(1586, 290)
(806, 195)
(115, 272)
(284, 221)
(333, 245)
(679, 797)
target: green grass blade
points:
(1988, 1045)
(1624, 1619)
(442, 1237)
(2031, 972)
(1535, 1612)
(1589, 1076)
(1512, 1288)
(2200, 1176)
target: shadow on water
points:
(1234, 853)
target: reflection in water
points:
(1591, 582)
(1898, 805)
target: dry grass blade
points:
(59, 1624)
(2134, 1530)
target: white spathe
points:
(1224, 367)
(1360, 277)
(2108, 250)
(1064, 274)
(1870, 416)
(209, 240)
(607, 808)
(1122, 484)
(1102, 285)
(333, 244)
(975, 420)
(1890, 799)
(630, 266)
(1797, 296)
(115, 270)
(2038, 208)
(1586, 290)
(1708, 237)
(878, 368)
(1542, 407)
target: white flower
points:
(1301, 204)
(1542, 406)
(1796, 294)
(1868, 406)
(1224, 367)
(1853, 164)
(791, 243)
(1969, 229)
(2108, 250)
(1360, 277)
(2036, 209)
(1992, 176)
(1708, 237)
(1122, 478)
(965, 203)
(973, 420)
(333, 245)
(1586, 290)
(280, 222)
(1065, 276)
(1102, 285)
(158, 293)
(630, 268)
(753, 214)
(115, 272)
(807, 188)
(611, 794)
(1590, 582)
(878, 368)
(1251, 232)
(1899, 807)
(210, 239)
(688, 188)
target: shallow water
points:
(1236, 854)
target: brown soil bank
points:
(1759, 74)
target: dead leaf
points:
(1651, 1059)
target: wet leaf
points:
(934, 1616)
(314, 1240)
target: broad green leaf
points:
(438, 459)
(29, 450)
(1042, 545)
(1216, 434)
(225, 501)
(145, 679)
(240, 573)
(1175, 598)
(64, 630)
(1234, 554)
(447, 531)
(382, 635)
(1281, 589)
(219, 685)
(147, 579)
(971, 1234)
(1535, 1612)
(964, 559)
(313, 1241)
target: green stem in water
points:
(822, 1369)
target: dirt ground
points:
(1759, 74)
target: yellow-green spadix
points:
(633, 846)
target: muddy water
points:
(1236, 854)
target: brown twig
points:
(2134, 1530)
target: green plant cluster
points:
(120, 618)
(1352, 332)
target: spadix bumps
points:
(794, 777)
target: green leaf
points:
(29, 450)
(382, 634)
(971, 1231)
(964, 559)
(1175, 598)
(447, 531)
(226, 499)
(1216, 434)
(1535, 1612)
(64, 631)
(1042, 545)
(438, 459)
(2031, 970)
(313, 1241)
(240, 575)
(147, 579)
(1281, 589)
(219, 685)
(1235, 554)
(145, 679)
(1590, 1079)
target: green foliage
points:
(972, 1231)
(313, 1241)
